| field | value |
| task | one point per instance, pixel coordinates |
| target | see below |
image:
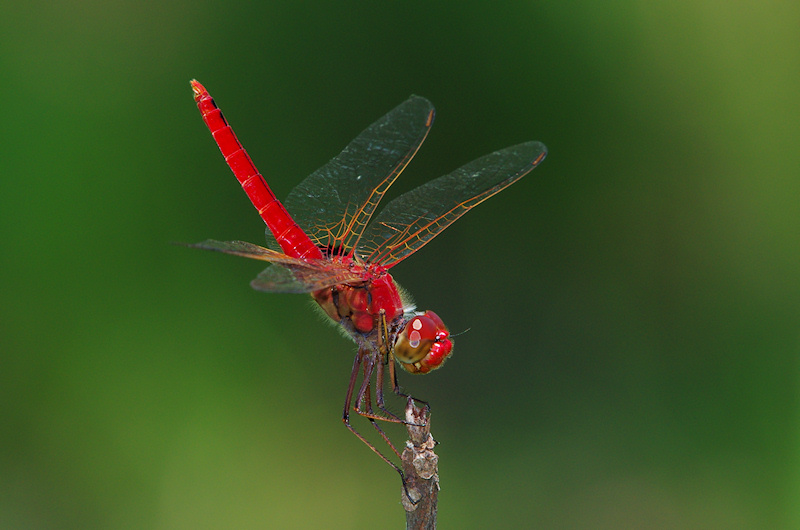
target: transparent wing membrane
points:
(286, 274)
(246, 250)
(297, 279)
(411, 220)
(334, 204)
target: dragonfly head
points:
(424, 343)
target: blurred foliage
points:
(632, 305)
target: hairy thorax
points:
(363, 302)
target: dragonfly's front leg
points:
(386, 346)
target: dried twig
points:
(421, 469)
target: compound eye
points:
(423, 344)
(419, 330)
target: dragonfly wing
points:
(286, 274)
(411, 220)
(244, 249)
(297, 279)
(334, 204)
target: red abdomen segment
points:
(293, 241)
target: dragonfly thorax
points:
(421, 342)
(362, 303)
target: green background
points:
(632, 305)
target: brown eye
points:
(423, 345)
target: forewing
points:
(411, 220)
(298, 279)
(286, 274)
(334, 204)
(245, 250)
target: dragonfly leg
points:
(368, 413)
(396, 387)
(387, 356)
(362, 397)
(364, 394)
(379, 377)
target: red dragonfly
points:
(327, 247)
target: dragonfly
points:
(320, 241)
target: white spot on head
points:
(417, 324)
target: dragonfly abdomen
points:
(293, 241)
